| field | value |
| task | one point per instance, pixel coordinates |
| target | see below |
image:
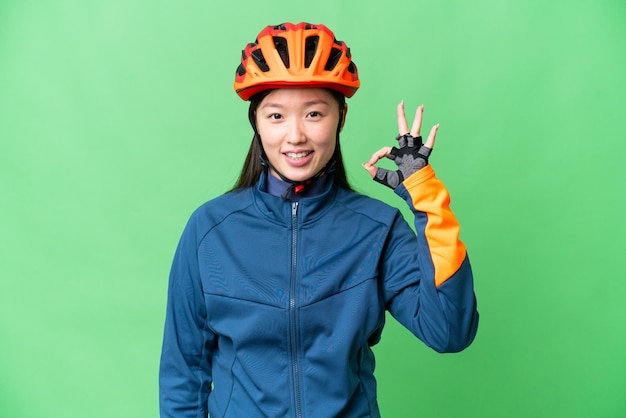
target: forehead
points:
(298, 96)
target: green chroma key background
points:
(118, 118)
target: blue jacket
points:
(273, 305)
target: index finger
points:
(379, 155)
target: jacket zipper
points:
(295, 366)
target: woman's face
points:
(298, 129)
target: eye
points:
(275, 116)
(314, 114)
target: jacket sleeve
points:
(428, 282)
(185, 370)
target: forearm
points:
(436, 226)
(446, 298)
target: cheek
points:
(328, 139)
(326, 150)
(331, 146)
(268, 136)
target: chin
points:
(299, 175)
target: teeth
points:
(297, 154)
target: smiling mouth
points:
(298, 155)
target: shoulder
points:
(215, 211)
(226, 203)
(363, 205)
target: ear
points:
(343, 116)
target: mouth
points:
(297, 156)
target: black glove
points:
(410, 157)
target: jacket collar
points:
(279, 210)
(278, 187)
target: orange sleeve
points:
(435, 222)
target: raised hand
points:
(411, 155)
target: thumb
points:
(370, 168)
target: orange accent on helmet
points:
(296, 55)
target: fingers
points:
(430, 142)
(403, 127)
(416, 127)
(417, 121)
(377, 156)
(370, 169)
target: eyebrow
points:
(306, 104)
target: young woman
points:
(279, 288)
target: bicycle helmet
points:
(296, 55)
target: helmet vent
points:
(259, 59)
(333, 59)
(283, 50)
(241, 70)
(352, 68)
(310, 48)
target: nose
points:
(296, 134)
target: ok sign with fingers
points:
(411, 155)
